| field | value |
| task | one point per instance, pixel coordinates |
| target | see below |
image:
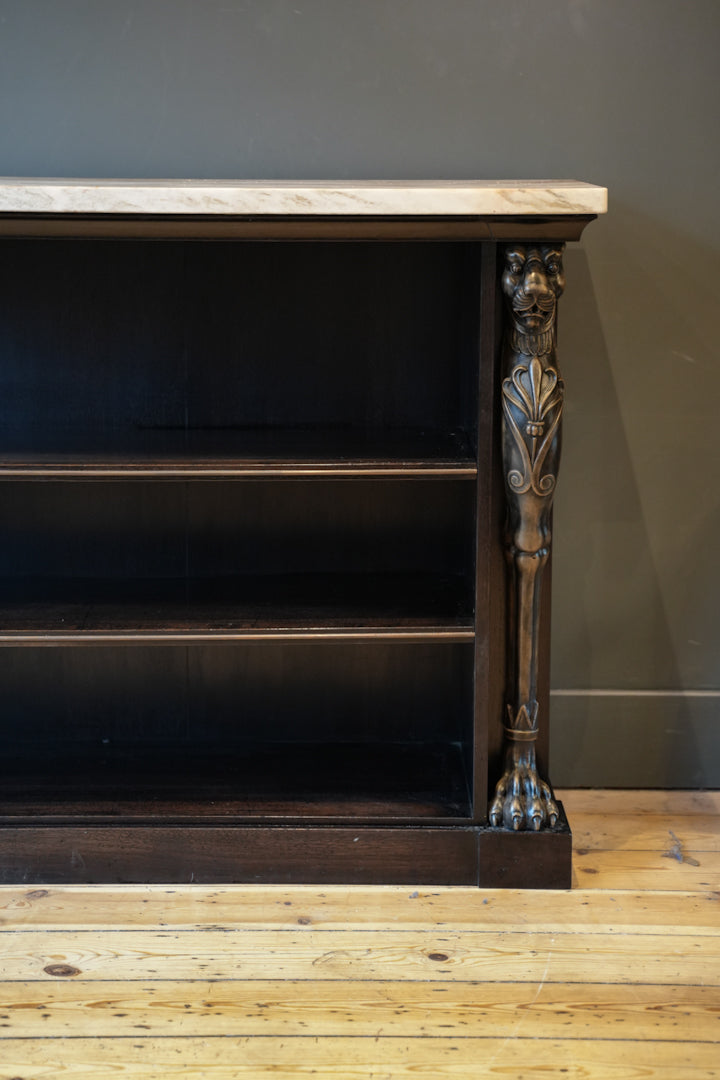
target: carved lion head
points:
(532, 280)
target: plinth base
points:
(86, 853)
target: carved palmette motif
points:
(532, 403)
(537, 393)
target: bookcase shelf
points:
(272, 782)
(76, 611)
(248, 454)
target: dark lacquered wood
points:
(144, 530)
(489, 575)
(301, 728)
(494, 503)
(109, 345)
(543, 741)
(526, 860)
(252, 453)
(350, 855)
(360, 854)
(238, 780)
(74, 611)
(328, 656)
(279, 227)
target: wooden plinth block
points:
(526, 860)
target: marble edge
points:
(249, 197)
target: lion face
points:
(532, 280)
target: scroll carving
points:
(532, 402)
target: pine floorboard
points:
(617, 979)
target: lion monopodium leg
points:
(532, 400)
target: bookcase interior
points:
(238, 552)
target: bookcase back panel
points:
(104, 341)
(298, 692)
(223, 529)
(296, 729)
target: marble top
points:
(303, 197)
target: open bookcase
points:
(252, 582)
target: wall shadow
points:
(635, 564)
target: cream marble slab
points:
(446, 197)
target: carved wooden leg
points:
(532, 400)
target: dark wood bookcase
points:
(252, 580)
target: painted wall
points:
(619, 92)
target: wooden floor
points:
(618, 979)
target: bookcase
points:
(253, 582)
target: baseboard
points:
(642, 738)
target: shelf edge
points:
(429, 634)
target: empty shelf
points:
(238, 781)
(333, 606)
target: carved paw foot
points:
(522, 800)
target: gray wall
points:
(618, 92)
